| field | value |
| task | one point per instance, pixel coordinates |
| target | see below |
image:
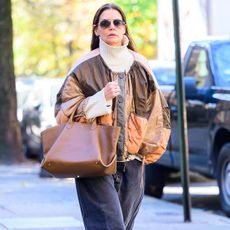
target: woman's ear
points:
(95, 31)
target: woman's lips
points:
(112, 35)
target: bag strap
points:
(112, 161)
(71, 121)
(71, 118)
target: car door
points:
(199, 108)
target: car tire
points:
(155, 177)
(223, 178)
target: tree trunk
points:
(10, 134)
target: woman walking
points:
(113, 76)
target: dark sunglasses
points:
(104, 24)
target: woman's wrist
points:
(97, 105)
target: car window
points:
(44, 94)
(221, 61)
(198, 67)
(23, 88)
(21, 98)
(35, 98)
(165, 76)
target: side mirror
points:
(190, 87)
(37, 107)
(192, 92)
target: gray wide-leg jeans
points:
(112, 202)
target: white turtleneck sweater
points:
(118, 59)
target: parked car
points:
(38, 114)
(206, 74)
(23, 87)
(164, 71)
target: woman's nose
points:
(112, 25)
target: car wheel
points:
(155, 177)
(223, 177)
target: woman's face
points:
(111, 27)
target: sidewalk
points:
(29, 202)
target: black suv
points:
(206, 74)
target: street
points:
(30, 202)
(204, 193)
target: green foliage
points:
(142, 21)
(50, 35)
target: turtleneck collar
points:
(118, 58)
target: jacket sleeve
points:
(158, 129)
(97, 106)
(71, 99)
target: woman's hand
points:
(111, 90)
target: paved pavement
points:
(28, 202)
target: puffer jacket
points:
(140, 110)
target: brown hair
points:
(95, 39)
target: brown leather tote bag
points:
(80, 150)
